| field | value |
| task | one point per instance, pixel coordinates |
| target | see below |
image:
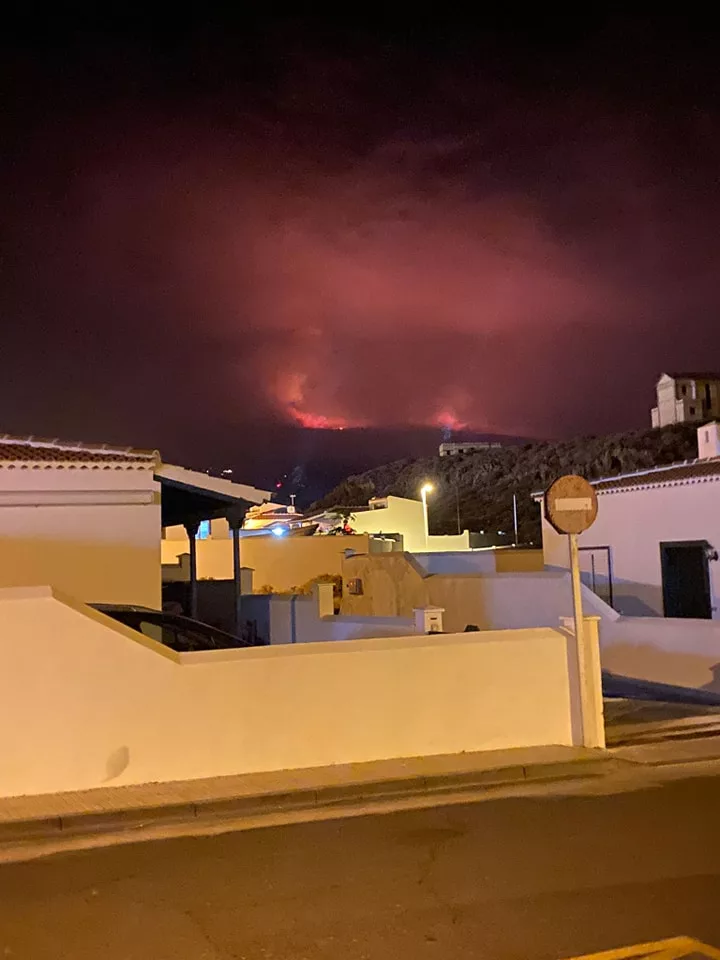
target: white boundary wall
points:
(685, 653)
(85, 701)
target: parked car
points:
(173, 630)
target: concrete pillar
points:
(323, 594)
(234, 519)
(246, 580)
(593, 720)
(237, 578)
(191, 528)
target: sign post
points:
(571, 508)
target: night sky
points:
(220, 236)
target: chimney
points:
(324, 599)
(429, 619)
(246, 580)
(709, 440)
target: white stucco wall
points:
(406, 517)
(449, 541)
(92, 533)
(282, 563)
(680, 652)
(513, 600)
(400, 516)
(297, 619)
(685, 653)
(633, 523)
(483, 560)
(471, 561)
(85, 702)
(396, 584)
(666, 401)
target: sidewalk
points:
(129, 808)
(638, 721)
(36, 825)
(675, 751)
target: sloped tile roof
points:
(691, 470)
(693, 376)
(27, 452)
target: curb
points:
(81, 825)
(674, 751)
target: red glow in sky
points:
(285, 234)
(317, 421)
(449, 421)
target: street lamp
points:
(424, 491)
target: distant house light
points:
(278, 531)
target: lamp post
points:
(424, 491)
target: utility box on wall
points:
(429, 619)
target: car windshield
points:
(185, 636)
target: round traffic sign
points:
(571, 504)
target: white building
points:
(83, 518)
(653, 549)
(686, 398)
(405, 518)
(87, 519)
(451, 449)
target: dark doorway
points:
(686, 579)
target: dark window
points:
(692, 411)
(708, 398)
(683, 390)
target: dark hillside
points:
(481, 485)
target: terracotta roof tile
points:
(674, 473)
(26, 451)
(693, 376)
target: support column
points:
(191, 528)
(235, 519)
(237, 583)
(593, 678)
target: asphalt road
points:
(542, 877)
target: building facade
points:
(405, 518)
(489, 593)
(452, 449)
(82, 518)
(686, 398)
(653, 549)
(279, 564)
(87, 519)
